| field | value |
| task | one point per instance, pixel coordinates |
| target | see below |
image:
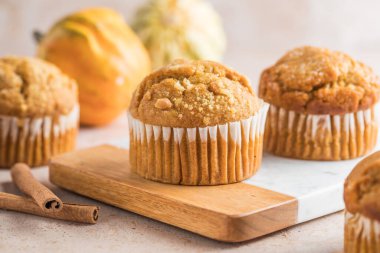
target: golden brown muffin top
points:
(319, 81)
(362, 188)
(30, 87)
(193, 94)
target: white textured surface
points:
(317, 185)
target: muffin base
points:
(221, 154)
(361, 234)
(320, 137)
(35, 140)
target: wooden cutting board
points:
(285, 192)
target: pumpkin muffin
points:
(362, 198)
(322, 105)
(38, 111)
(196, 123)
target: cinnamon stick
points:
(69, 212)
(45, 199)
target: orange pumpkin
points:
(96, 47)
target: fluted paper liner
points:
(35, 140)
(320, 137)
(361, 234)
(220, 154)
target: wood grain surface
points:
(231, 213)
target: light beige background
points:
(258, 33)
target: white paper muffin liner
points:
(212, 155)
(320, 137)
(361, 234)
(35, 140)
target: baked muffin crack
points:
(319, 81)
(200, 93)
(31, 87)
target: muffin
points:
(362, 198)
(38, 111)
(196, 123)
(322, 105)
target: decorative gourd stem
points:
(37, 36)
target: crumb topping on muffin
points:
(362, 188)
(193, 94)
(319, 81)
(31, 87)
